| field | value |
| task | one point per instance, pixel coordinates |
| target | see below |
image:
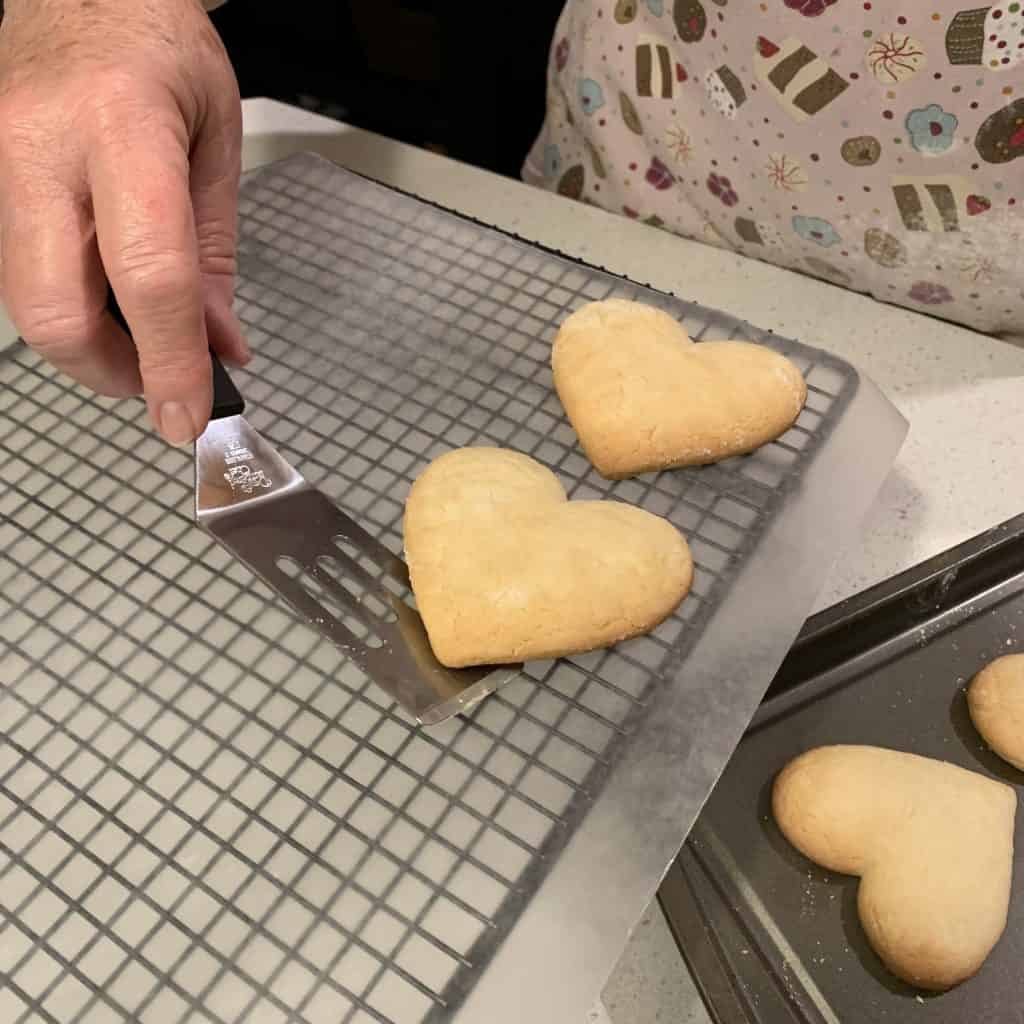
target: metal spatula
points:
(332, 572)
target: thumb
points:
(139, 175)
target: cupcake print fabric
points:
(879, 147)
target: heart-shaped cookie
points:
(642, 396)
(931, 842)
(996, 702)
(506, 569)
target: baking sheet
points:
(890, 669)
(207, 813)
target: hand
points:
(120, 143)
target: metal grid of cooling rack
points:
(206, 813)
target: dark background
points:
(466, 78)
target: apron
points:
(876, 146)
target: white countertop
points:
(963, 392)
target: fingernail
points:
(176, 423)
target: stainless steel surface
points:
(207, 813)
(341, 580)
(237, 469)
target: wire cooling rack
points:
(206, 813)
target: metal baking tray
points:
(770, 936)
(207, 813)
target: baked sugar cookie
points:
(506, 569)
(643, 397)
(996, 702)
(931, 842)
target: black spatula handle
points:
(226, 398)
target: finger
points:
(139, 177)
(225, 333)
(215, 172)
(55, 290)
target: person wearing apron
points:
(870, 144)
